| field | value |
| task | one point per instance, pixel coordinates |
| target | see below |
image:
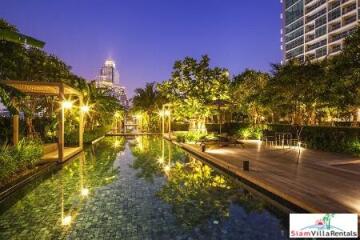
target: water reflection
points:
(149, 190)
(47, 208)
(196, 192)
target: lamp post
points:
(166, 112)
(163, 122)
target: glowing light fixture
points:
(85, 108)
(167, 168)
(117, 143)
(66, 104)
(161, 160)
(117, 115)
(66, 221)
(167, 113)
(84, 192)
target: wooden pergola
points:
(60, 90)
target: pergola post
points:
(15, 123)
(163, 121)
(60, 132)
(81, 123)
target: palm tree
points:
(103, 105)
(148, 100)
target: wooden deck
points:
(315, 181)
(68, 153)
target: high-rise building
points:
(109, 77)
(108, 73)
(314, 29)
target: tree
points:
(102, 105)
(344, 75)
(148, 100)
(247, 89)
(296, 89)
(27, 63)
(193, 87)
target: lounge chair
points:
(227, 141)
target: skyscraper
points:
(314, 29)
(108, 73)
(110, 78)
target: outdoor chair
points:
(268, 137)
(228, 141)
(236, 142)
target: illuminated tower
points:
(110, 78)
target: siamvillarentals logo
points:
(329, 225)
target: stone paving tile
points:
(127, 209)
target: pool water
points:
(142, 188)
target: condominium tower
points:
(314, 29)
(110, 78)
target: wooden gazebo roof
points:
(42, 88)
(50, 89)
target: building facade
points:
(314, 29)
(110, 78)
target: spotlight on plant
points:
(85, 108)
(66, 221)
(66, 104)
(84, 192)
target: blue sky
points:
(145, 37)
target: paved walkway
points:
(315, 181)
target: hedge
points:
(72, 138)
(326, 138)
(334, 139)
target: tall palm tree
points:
(148, 100)
(103, 105)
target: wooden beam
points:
(15, 122)
(61, 126)
(81, 123)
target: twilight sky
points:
(145, 37)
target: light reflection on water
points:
(187, 198)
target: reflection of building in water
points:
(110, 78)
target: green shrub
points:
(333, 139)
(72, 138)
(189, 137)
(252, 132)
(354, 147)
(180, 137)
(7, 162)
(15, 158)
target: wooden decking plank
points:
(314, 183)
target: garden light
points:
(84, 192)
(160, 160)
(117, 143)
(161, 113)
(167, 168)
(66, 104)
(117, 115)
(66, 220)
(85, 108)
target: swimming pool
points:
(141, 188)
